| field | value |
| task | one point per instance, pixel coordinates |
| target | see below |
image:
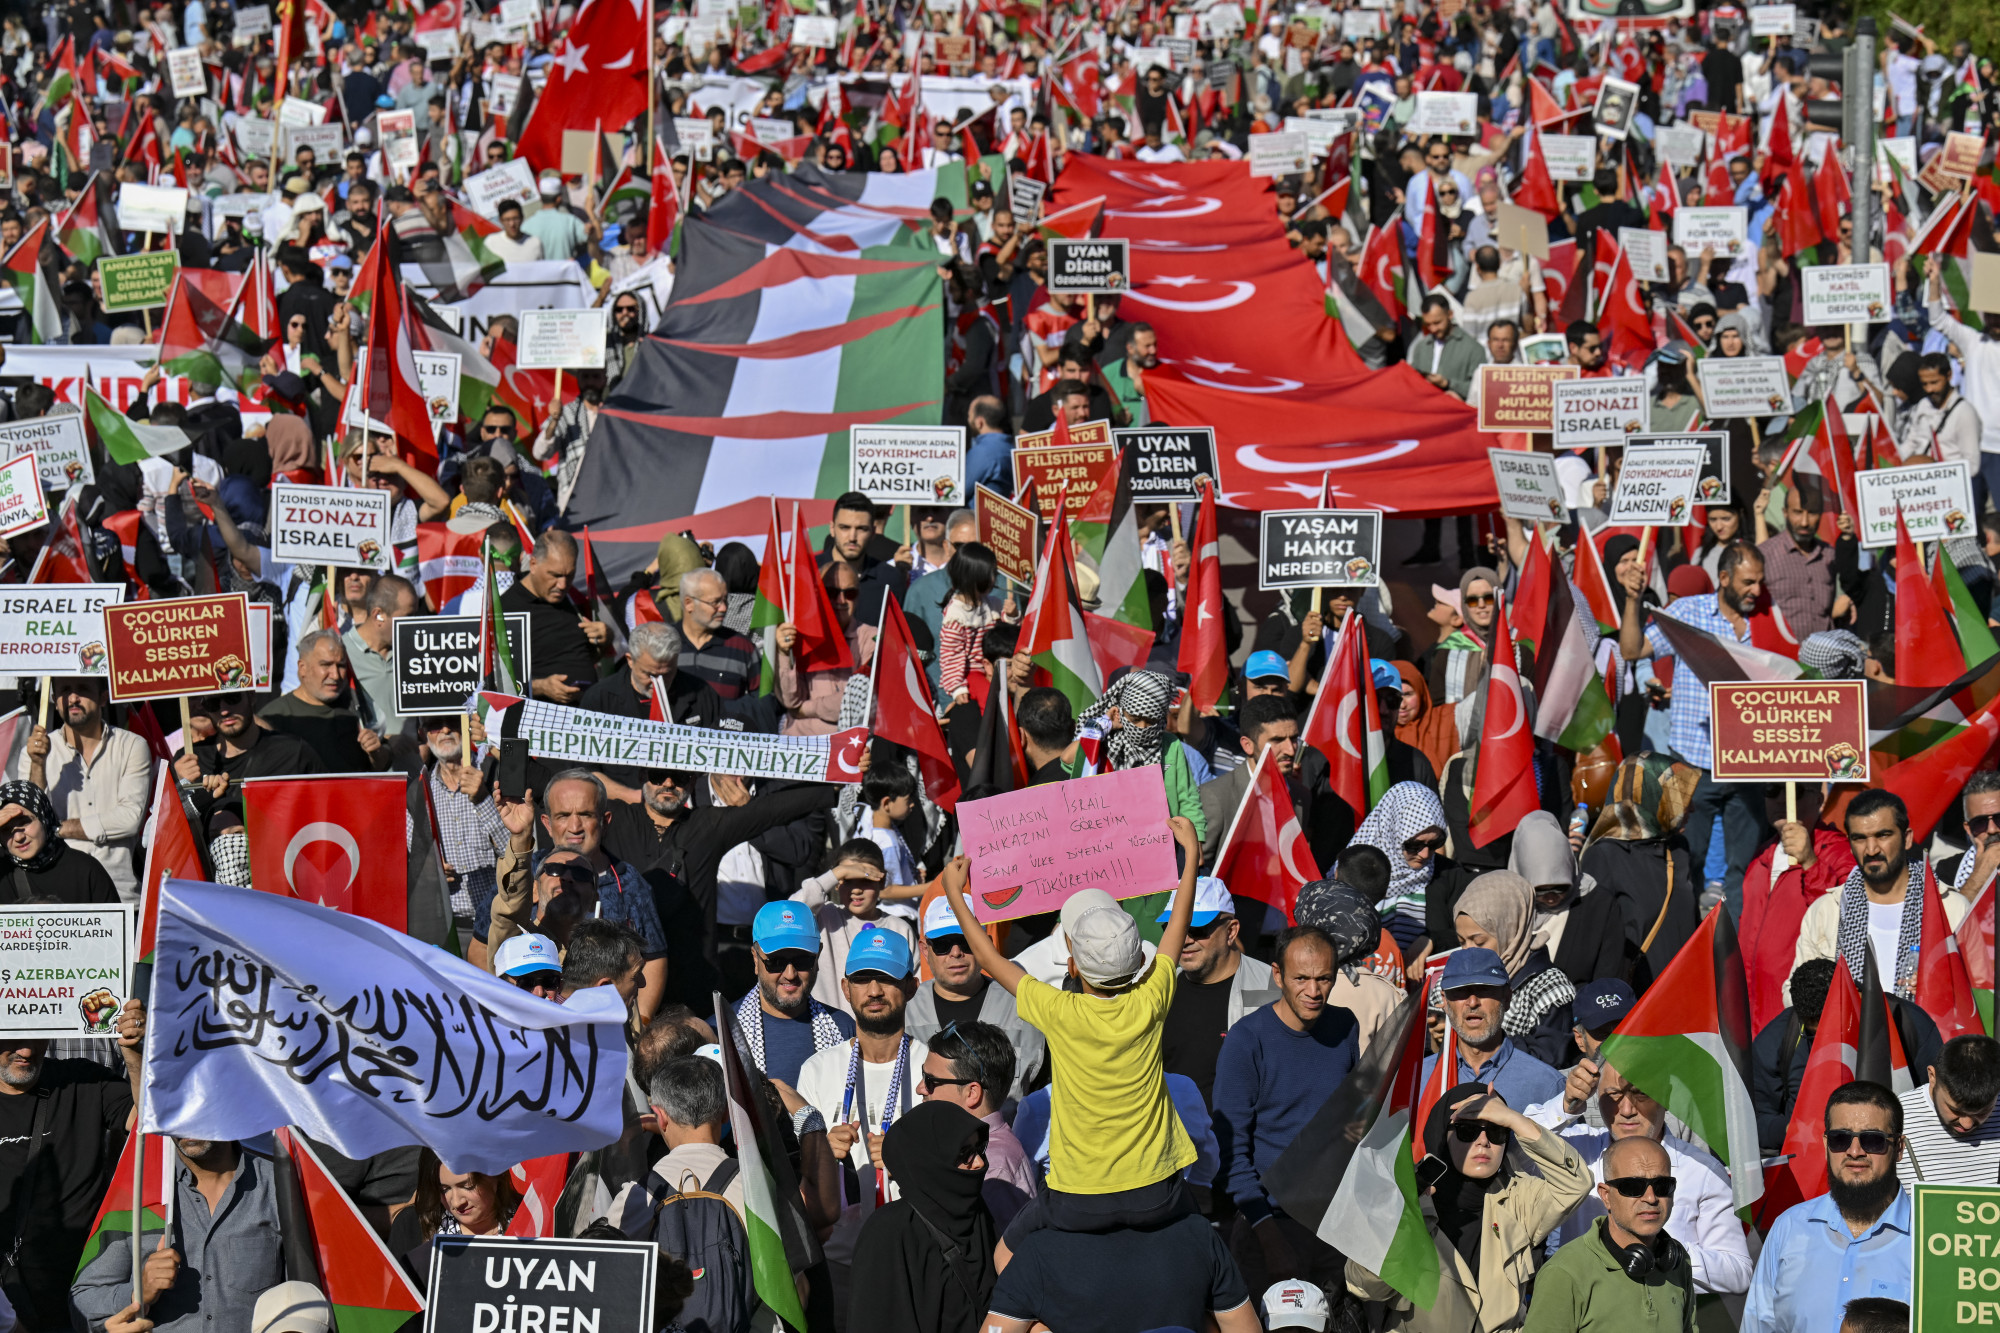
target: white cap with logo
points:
(1296, 1304)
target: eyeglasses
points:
(845, 594)
(1468, 1131)
(572, 872)
(1978, 824)
(1635, 1187)
(1418, 846)
(790, 960)
(1874, 1142)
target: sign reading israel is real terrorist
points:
(1033, 848)
(1590, 413)
(55, 629)
(62, 455)
(498, 1284)
(1081, 267)
(1166, 460)
(1935, 500)
(437, 659)
(1656, 487)
(330, 525)
(163, 649)
(1528, 485)
(64, 971)
(896, 465)
(1790, 730)
(1319, 548)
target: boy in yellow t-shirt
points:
(1116, 1144)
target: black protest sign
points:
(437, 659)
(496, 1284)
(1713, 486)
(1082, 267)
(1165, 461)
(1319, 548)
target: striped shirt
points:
(1931, 1156)
(1687, 720)
(729, 662)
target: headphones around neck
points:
(1640, 1261)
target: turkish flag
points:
(174, 855)
(538, 1183)
(1265, 855)
(1537, 189)
(1625, 318)
(1202, 654)
(903, 711)
(586, 91)
(335, 841)
(665, 213)
(1335, 724)
(1944, 984)
(822, 643)
(1503, 790)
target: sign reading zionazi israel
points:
(1320, 548)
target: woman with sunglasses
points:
(1407, 826)
(1487, 1216)
(1458, 661)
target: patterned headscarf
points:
(1142, 696)
(1649, 799)
(1405, 810)
(36, 802)
(1836, 654)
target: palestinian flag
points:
(495, 712)
(62, 76)
(114, 1215)
(1924, 744)
(1573, 709)
(496, 654)
(1350, 1174)
(204, 340)
(1120, 569)
(770, 610)
(468, 264)
(36, 283)
(1349, 300)
(779, 1246)
(1053, 632)
(88, 230)
(1975, 946)
(478, 378)
(1713, 658)
(1975, 636)
(1687, 1045)
(126, 440)
(363, 1282)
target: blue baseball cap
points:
(1385, 675)
(1211, 900)
(1598, 1003)
(785, 925)
(879, 950)
(1473, 967)
(1265, 664)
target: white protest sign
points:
(1656, 487)
(252, 20)
(1529, 488)
(330, 525)
(1726, 229)
(1319, 134)
(907, 464)
(1847, 293)
(1744, 386)
(254, 138)
(1647, 251)
(55, 629)
(22, 505)
(1773, 20)
(298, 111)
(62, 454)
(64, 971)
(768, 130)
(513, 179)
(1681, 145)
(185, 71)
(1283, 154)
(1935, 499)
(436, 46)
(821, 32)
(696, 135)
(153, 208)
(399, 138)
(437, 376)
(513, 12)
(327, 141)
(1454, 114)
(562, 340)
(1570, 157)
(1589, 413)
(503, 90)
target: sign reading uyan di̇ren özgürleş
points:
(1033, 848)
(1319, 548)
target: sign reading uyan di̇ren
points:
(1084, 267)
(1320, 548)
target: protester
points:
(1477, 992)
(959, 993)
(1628, 1272)
(782, 1024)
(1949, 1134)
(924, 1262)
(97, 776)
(1217, 986)
(1880, 910)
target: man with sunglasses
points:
(621, 339)
(782, 1024)
(1476, 990)
(959, 994)
(868, 1080)
(1971, 872)
(971, 1064)
(1216, 985)
(1851, 1242)
(1626, 1273)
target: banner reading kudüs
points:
(579, 736)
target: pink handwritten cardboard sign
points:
(1032, 849)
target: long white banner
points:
(579, 736)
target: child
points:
(890, 793)
(845, 901)
(968, 612)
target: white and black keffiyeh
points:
(750, 1026)
(1533, 998)
(1853, 937)
(1405, 810)
(1142, 696)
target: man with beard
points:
(1881, 906)
(62, 1126)
(568, 431)
(880, 1065)
(1216, 985)
(1853, 1241)
(1725, 613)
(958, 993)
(470, 833)
(1125, 376)
(1952, 1136)
(241, 749)
(1972, 870)
(226, 1250)
(97, 776)
(847, 541)
(782, 1024)
(1799, 569)
(621, 341)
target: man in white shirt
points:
(98, 777)
(1941, 423)
(872, 1075)
(1950, 1134)
(513, 244)
(1155, 149)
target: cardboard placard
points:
(1959, 158)
(1009, 530)
(331, 525)
(1713, 486)
(1744, 386)
(1319, 548)
(263, 645)
(695, 135)
(1985, 293)
(252, 21)
(1935, 499)
(1725, 228)
(896, 465)
(437, 377)
(1570, 157)
(562, 339)
(1520, 397)
(55, 629)
(140, 281)
(1647, 252)
(22, 504)
(1024, 198)
(1085, 267)
(604, 1286)
(1455, 114)
(298, 111)
(439, 47)
(1031, 849)
(1656, 487)
(1168, 461)
(178, 646)
(1528, 485)
(513, 179)
(1587, 414)
(436, 659)
(502, 91)
(1789, 730)
(64, 971)
(1847, 293)
(328, 141)
(155, 208)
(821, 32)
(1522, 230)
(1544, 349)
(1220, 74)
(514, 13)
(1773, 20)
(1680, 145)
(1617, 103)
(62, 454)
(254, 137)
(1080, 466)
(399, 138)
(185, 73)
(1282, 154)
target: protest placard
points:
(1520, 397)
(1773, 20)
(139, 281)
(1008, 530)
(298, 111)
(593, 739)
(1167, 461)
(437, 377)
(399, 138)
(504, 90)
(22, 505)
(1789, 730)
(178, 646)
(1725, 229)
(252, 21)
(1681, 145)
(1570, 157)
(1599, 412)
(1647, 252)
(64, 971)
(1082, 267)
(1656, 487)
(552, 1286)
(562, 339)
(254, 139)
(1744, 386)
(695, 135)
(159, 209)
(821, 32)
(55, 629)
(1528, 485)
(185, 72)
(1080, 467)
(1033, 848)
(1847, 293)
(516, 13)
(1617, 103)
(1319, 548)
(513, 179)
(1445, 113)
(262, 645)
(899, 465)
(1935, 499)
(1522, 229)
(1713, 487)
(436, 659)
(327, 141)
(331, 525)
(1959, 158)
(1283, 154)
(1952, 1254)
(62, 454)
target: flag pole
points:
(139, 1195)
(42, 709)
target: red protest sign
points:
(178, 646)
(1790, 731)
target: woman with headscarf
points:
(1636, 852)
(35, 863)
(1580, 925)
(1459, 659)
(1428, 727)
(1497, 912)
(678, 555)
(1488, 1215)
(924, 1263)
(1407, 827)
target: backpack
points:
(702, 1229)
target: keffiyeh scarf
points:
(750, 1025)
(1853, 939)
(1405, 810)
(1142, 696)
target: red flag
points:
(1834, 196)
(1382, 269)
(361, 1279)
(1264, 855)
(1335, 724)
(1975, 935)
(1503, 790)
(1927, 651)
(1780, 162)
(598, 79)
(1537, 189)
(1429, 237)
(1605, 601)
(903, 710)
(1624, 318)
(1798, 229)
(1944, 984)
(822, 644)
(449, 564)
(539, 1183)
(393, 395)
(174, 854)
(665, 213)
(1531, 596)
(1666, 200)
(335, 841)
(1830, 1064)
(1444, 1074)
(1202, 654)
(290, 39)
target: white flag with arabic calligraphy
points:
(270, 1011)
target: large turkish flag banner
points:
(335, 841)
(597, 81)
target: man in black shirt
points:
(847, 540)
(652, 662)
(1612, 213)
(241, 749)
(1217, 985)
(1048, 731)
(1723, 73)
(562, 648)
(1174, 1276)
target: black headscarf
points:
(924, 1264)
(56, 872)
(36, 802)
(1459, 1200)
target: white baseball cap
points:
(1103, 939)
(1296, 1304)
(519, 955)
(1211, 900)
(292, 1307)
(940, 920)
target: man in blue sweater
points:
(1278, 1066)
